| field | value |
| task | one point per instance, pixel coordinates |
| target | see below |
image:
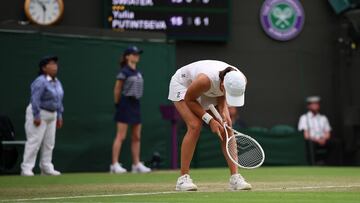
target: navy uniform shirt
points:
(133, 82)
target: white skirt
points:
(177, 92)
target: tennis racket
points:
(242, 149)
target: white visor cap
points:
(235, 84)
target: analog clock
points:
(44, 12)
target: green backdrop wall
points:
(87, 70)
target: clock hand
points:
(42, 5)
(43, 8)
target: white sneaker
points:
(50, 172)
(237, 182)
(117, 168)
(185, 183)
(27, 173)
(140, 168)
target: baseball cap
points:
(235, 84)
(46, 59)
(313, 99)
(132, 50)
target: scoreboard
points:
(179, 19)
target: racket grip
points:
(215, 112)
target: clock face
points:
(44, 12)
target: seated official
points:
(316, 128)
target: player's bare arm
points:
(200, 85)
(224, 110)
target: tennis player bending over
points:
(192, 89)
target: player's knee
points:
(195, 126)
(120, 137)
(136, 137)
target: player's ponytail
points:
(224, 72)
(123, 61)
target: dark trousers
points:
(316, 154)
(329, 154)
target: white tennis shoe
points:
(52, 172)
(117, 168)
(185, 183)
(27, 173)
(140, 168)
(237, 182)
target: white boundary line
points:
(310, 187)
(89, 196)
(170, 192)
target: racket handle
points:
(215, 112)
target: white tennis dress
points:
(184, 76)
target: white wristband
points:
(206, 118)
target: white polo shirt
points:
(317, 124)
(184, 76)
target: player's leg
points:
(232, 166)
(137, 166)
(177, 93)
(206, 101)
(135, 143)
(188, 145)
(236, 182)
(118, 141)
(191, 137)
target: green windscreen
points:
(88, 67)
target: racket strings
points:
(241, 149)
(245, 151)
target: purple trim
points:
(299, 22)
(266, 21)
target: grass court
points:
(270, 184)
